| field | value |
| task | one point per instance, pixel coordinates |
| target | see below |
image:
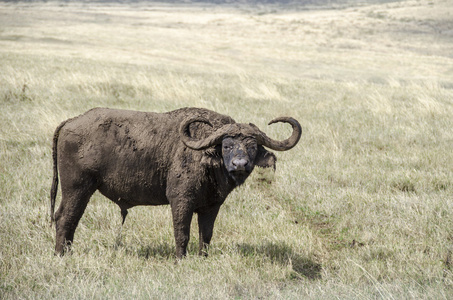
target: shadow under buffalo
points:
(158, 251)
(279, 253)
(283, 254)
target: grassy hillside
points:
(362, 208)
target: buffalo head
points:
(242, 145)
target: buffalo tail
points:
(54, 189)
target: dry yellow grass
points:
(361, 209)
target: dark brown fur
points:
(139, 158)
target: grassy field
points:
(362, 208)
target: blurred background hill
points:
(294, 3)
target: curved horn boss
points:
(261, 137)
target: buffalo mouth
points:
(239, 176)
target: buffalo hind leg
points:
(206, 219)
(72, 206)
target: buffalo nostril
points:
(240, 163)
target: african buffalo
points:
(190, 158)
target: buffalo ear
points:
(212, 156)
(265, 159)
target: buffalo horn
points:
(213, 139)
(262, 138)
(284, 145)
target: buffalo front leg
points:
(182, 217)
(206, 219)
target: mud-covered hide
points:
(132, 155)
(145, 158)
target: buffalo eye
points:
(227, 144)
(252, 148)
(227, 148)
(252, 151)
